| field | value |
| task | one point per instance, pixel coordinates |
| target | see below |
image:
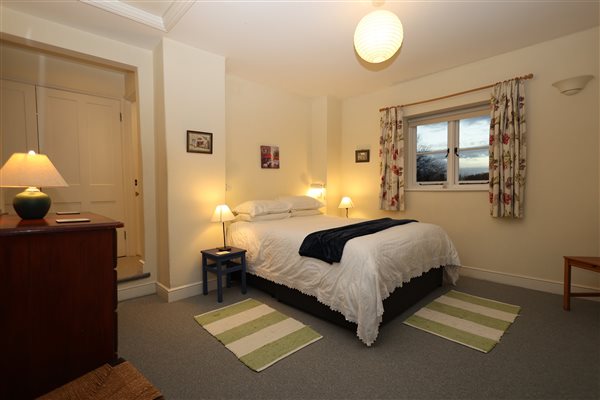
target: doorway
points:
(79, 115)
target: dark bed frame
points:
(398, 302)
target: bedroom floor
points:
(546, 354)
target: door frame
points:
(131, 180)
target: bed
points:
(372, 267)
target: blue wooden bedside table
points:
(221, 262)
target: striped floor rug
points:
(256, 333)
(469, 320)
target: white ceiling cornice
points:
(176, 10)
(164, 22)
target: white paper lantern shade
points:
(378, 36)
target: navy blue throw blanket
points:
(328, 245)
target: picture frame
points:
(269, 157)
(199, 142)
(361, 156)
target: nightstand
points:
(221, 262)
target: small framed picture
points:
(362, 156)
(199, 142)
(269, 157)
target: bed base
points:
(398, 302)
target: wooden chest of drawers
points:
(58, 301)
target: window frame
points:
(453, 118)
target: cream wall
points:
(24, 29)
(325, 149)
(193, 99)
(562, 197)
(317, 154)
(258, 115)
(163, 276)
(562, 194)
(334, 151)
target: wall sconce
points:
(346, 203)
(317, 190)
(573, 85)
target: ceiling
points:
(306, 47)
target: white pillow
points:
(265, 217)
(302, 202)
(304, 213)
(261, 207)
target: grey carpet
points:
(547, 353)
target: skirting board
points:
(523, 281)
(181, 292)
(133, 291)
(194, 289)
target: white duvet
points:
(372, 266)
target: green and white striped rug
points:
(256, 333)
(469, 320)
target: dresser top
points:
(14, 225)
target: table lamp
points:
(346, 203)
(32, 171)
(222, 214)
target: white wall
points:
(24, 29)
(193, 99)
(317, 153)
(325, 149)
(334, 152)
(258, 115)
(163, 275)
(562, 194)
(562, 197)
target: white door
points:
(81, 134)
(18, 129)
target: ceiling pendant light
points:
(378, 36)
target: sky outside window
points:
(474, 132)
(432, 137)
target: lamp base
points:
(32, 204)
(224, 248)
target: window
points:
(450, 151)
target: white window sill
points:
(467, 188)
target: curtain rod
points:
(528, 76)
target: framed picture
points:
(269, 157)
(362, 156)
(199, 142)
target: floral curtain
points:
(508, 160)
(391, 155)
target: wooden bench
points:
(589, 263)
(123, 382)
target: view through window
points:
(450, 151)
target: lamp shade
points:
(346, 202)
(30, 170)
(378, 36)
(222, 213)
